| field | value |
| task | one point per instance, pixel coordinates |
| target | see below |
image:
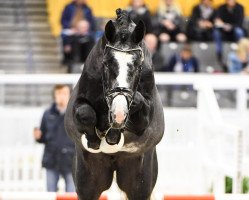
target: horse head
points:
(122, 65)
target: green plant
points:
(245, 185)
(229, 184)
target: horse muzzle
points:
(119, 111)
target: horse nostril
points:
(119, 117)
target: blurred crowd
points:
(81, 30)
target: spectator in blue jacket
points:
(185, 61)
(238, 62)
(59, 149)
(74, 12)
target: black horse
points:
(115, 115)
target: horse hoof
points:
(113, 136)
(107, 148)
(84, 142)
(93, 145)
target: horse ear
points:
(138, 33)
(110, 31)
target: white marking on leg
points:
(104, 146)
(130, 148)
(84, 143)
(107, 148)
(123, 60)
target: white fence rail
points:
(239, 83)
(223, 141)
(225, 159)
(20, 169)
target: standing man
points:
(59, 149)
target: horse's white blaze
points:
(119, 108)
(123, 59)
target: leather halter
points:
(128, 93)
(126, 50)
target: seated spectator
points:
(74, 12)
(170, 19)
(185, 61)
(139, 11)
(78, 45)
(152, 44)
(239, 61)
(228, 25)
(200, 26)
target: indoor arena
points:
(155, 95)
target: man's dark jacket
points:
(193, 28)
(235, 16)
(59, 149)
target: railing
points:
(210, 118)
(239, 83)
(20, 169)
(222, 138)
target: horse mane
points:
(123, 19)
(123, 22)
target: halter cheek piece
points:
(128, 93)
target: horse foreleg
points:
(85, 120)
(92, 175)
(137, 176)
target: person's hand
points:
(219, 23)
(202, 24)
(227, 27)
(67, 48)
(171, 26)
(246, 70)
(168, 24)
(37, 133)
(207, 24)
